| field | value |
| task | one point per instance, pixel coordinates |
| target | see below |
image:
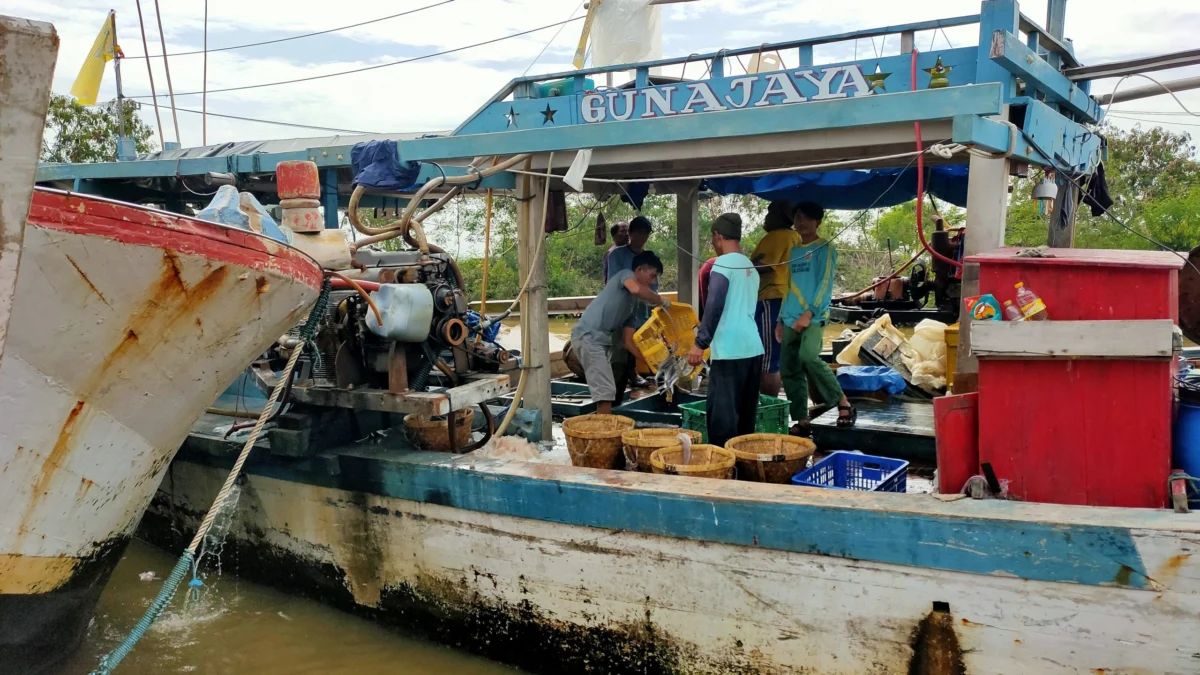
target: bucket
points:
(641, 443)
(1186, 455)
(432, 433)
(770, 458)
(594, 441)
(707, 461)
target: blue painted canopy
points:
(376, 164)
(851, 190)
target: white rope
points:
(1165, 88)
(219, 502)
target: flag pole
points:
(112, 16)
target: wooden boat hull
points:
(561, 569)
(126, 324)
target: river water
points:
(242, 628)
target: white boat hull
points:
(126, 324)
(679, 575)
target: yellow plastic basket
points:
(668, 332)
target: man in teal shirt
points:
(728, 327)
(805, 312)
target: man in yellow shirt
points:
(770, 258)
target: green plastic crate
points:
(772, 416)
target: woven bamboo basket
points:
(594, 441)
(641, 443)
(770, 458)
(432, 433)
(707, 461)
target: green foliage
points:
(76, 133)
(1152, 177)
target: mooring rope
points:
(189, 560)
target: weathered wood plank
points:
(1072, 339)
(477, 390)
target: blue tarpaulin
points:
(851, 190)
(376, 164)
(225, 208)
(870, 378)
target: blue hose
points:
(165, 594)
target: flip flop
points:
(846, 421)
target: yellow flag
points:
(87, 84)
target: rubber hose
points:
(488, 430)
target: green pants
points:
(800, 360)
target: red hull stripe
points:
(141, 226)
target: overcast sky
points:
(439, 93)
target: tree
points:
(77, 134)
(1152, 177)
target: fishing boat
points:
(569, 569)
(125, 323)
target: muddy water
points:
(241, 628)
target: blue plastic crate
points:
(852, 471)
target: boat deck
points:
(898, 429)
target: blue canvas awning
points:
(851, 190)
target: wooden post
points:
(535, 316)
(1056, 18)
(987, 208)
(329, 198)
(687, 238)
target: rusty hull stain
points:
(168, 302)
(58, 453)
(88, 281)
(935, 646)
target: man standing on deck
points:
(606, 317)
(728, 327)
(620, 237)
(624, 363)
(771, 257)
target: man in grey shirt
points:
(608, 315)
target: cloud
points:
(440, 93)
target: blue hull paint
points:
(993, 538)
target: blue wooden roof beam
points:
(918, 106)
(1010, 53)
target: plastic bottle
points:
(1032, 307)
(1011, 313)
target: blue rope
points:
(165, 595)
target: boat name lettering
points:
(747, 91)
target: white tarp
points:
(626, 31)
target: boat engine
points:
(427, 331)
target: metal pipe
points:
(150, 72)
(167, 67)
(204, 84)
(1146, 64)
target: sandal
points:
(848, 420)
(801, 430)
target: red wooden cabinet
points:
(1082, 430)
